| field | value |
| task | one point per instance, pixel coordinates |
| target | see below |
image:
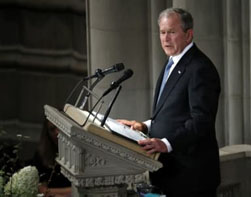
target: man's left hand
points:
(153, 145)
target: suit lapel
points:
(176, 74)
(172, 80)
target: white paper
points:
(123, 130)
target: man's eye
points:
(168, 32)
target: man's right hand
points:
(140, 126)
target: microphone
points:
(127, 74)
(101, 73)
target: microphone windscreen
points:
(128, 73)
(119, 67)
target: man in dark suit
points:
(182, 126)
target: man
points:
(182, 126)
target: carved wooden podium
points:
(97, 162)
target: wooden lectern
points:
(96, 161)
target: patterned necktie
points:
(167, 69)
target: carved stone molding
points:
(53, 59)
(103, 180)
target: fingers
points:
(125, 122)
(139, 126)
(134, 124)
(153, 145)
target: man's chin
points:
(168, 53)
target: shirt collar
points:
(177, 58)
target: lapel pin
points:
(179, 71)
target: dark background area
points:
(42, 57)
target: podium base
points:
(107, 191)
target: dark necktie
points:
(167, 69)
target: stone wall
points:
(235, 171)
(42, 56)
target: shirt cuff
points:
(168, 145)
(148, 124)
(166, 142)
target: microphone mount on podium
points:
(87, 92)
(99, 75)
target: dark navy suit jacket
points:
(185, 115)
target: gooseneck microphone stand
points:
(110, 105)
(99, 75)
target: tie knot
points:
(170, 63)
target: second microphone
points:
(127, 74)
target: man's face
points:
(173, 38)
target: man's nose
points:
(166, 37)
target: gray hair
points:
(185, 16)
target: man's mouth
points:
(167, 45)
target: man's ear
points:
(189, 35)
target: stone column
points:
(233, 72)
(118, 32)
(246, 71)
